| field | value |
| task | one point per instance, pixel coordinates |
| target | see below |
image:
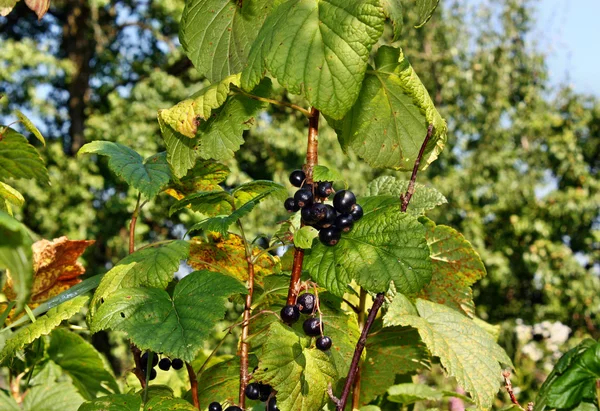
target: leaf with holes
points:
(176, 326)
(332, 38)
(19, 159)
(148, 176)
(388, 123)
(424, 197)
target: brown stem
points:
(362, 305)
(509, 388)
(194, 384)
(244, 346)
(137, 358)
(405, 199)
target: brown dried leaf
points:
(40, 7)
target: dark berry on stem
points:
(312, 327)
(318, 211)
(272, 404)
(164, 364)
(152, 374)
(324, 189)
(329, 219)
(144, 359)
(253, 391)
(290, 314)
(343, 201)
(306, 303)
(233, 408)
(307, 216)
(297, 178)
(265, 391)
(344, 222)
(330, 236)
(290, 205)
(303, 197)
(324, 343)
(357, 212)
(215, 406)
(177, 364)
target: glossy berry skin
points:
(344, 222)
(324, 189)
(307, 216)
(253, 391)
(177, 364)
(272, 404)
(144, 359)
(164, 364)
(329, 218)
(233, 408)
(152, 374)
(330, 236)
(324, 343)
(318, 211)
(290, 205)
(312, 327)
(357, 212)
(215, 406)
(290, 314)
(297, 178)
(343, 201)
(307, 302)
(265, 391)
(303, 197)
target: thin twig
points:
(194, 384)
(405, 198)
(509, 389)
(134, 218)
(271, 101)
(362, 305)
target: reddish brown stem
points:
(137, 358)
(362, 305)
(244, 346)
(194, 385)
(405, 199)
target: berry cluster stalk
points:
(312, 159)
(378, 301)
(193, 384)
(244, 346)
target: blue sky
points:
(568, 31)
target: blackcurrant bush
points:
(272, 404)
(177, 364)
(290, 205)
(164, 364)
(297, 178)
(290, 314)
(303, 197)
(215, 406)
(306, 303)
(324, 189)
(307, 216)
(357, 212)
(312, 327)
(152, 374)
(265, 391)
(144, 359)
(344, 222)
(330, 236)
(343, 201)
(253, 391)
(324, 343)
(233, 408)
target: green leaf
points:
(17, 257)
(43, 326)
(258, 190)
(466, 351)
(382, 247)
(148, 176)
(425, 9)
(118, 402)
(150, 267)
(322, 173)
(216, 35)
(181, 154)
(221, 382)
(410, 393)
(456, 266)
(11, 195)
(53, 397)
(168, 404)
(204, 176)
(332, 38)
(210, 203)
(19, 159)
(176, 326)
(388, 123)
(7, 403)
(304, 237)
(30, 126)
(424, 198)
(393, 11)
(80, 360)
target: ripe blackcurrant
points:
(312, 327)
(344, 222)
(324, 343)
(306, 303)
(303, 197)
(307, 216)
(318, 211)
(152, 374)
(253, 391)
(357, 212)
(297, 178)
(290, 205)
(329, 218)
(343, 201)
(265, 391)
(324, 189)
(164, 364)
(177, 364)
(330, 236)
(233, 408)
(144, 359)
(290, 314)
(215, 406)
(272, 404)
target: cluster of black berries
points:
(215, 406)
(254, 391)
(306, 304)
(164, 364)
(331, 221)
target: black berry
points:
(233, 408)
(164, 364)
(324, 189)
(344, 222)
(303, 197)
(272, 404)
(343, 201)
(307, 216)
(144, 359)
(312, 327)
(253, 391)
(330, 236)
(324, 343)
(357, 212)
(318, 211)
(265, 391)
(177, 364)
(152, 374)
(297, 178)
(306, 303)
(290, 205)
(215, 406)
(290, 314)
(329, 218)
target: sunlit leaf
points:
(19, 159)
